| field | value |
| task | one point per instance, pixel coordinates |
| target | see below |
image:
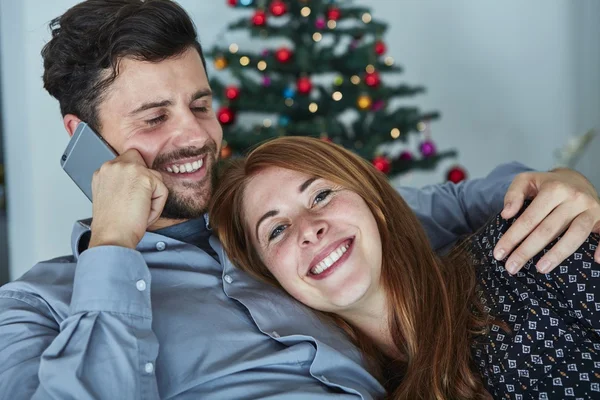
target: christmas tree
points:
(326, 82)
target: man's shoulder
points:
(47, 286)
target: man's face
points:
(164, 111)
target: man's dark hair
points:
(88, 41)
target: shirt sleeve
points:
(449, 211)
(104, 349)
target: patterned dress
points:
(553, 348)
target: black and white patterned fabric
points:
(552, 350)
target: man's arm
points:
(104, 349)
(449, 211)
(563, 199)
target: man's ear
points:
(71, 121)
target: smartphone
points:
(84, 155)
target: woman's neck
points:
(371, 318)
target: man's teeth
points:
(186, 168)
(330, 259)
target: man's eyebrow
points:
(306, 184)
(164, 103)
(201, 93)
(149, 105)
(268, 214)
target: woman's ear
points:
(71, 121)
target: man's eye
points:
(157, 120)
(276, 232)
(200, 109)
(322, 195)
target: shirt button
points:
(324, 379)
(160, 246)
(140, 285)
(228, 278)
(149, 368)
(275, 334)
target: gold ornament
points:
(225, 152)
(220, 63)
(364, 102)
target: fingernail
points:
(507, 206)
(543, 266)
(512, 267)
(500, 254)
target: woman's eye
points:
(276, 232)
(321, 196)
(157, 120)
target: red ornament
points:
(304, 85)
(456, 174)
(382, 163)
(278, 8)
(226, 116)
(232, 3)
(333, 14)
(326, 139)
(283, 55)
(232, 92)
(372, 79)
(259, 18)
(380, 47)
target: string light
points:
(233, 48)
(421, 126)
(389, 61)
(337, 96)
(370, 69)
(244, 61)
(289, 102)
(305, 12)
(331, 24)
(355, 79)
(267, 123)
(366, 18)
(313, 107)
(317, 37)
(395, 133)
(262, 65)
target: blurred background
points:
(512, 80)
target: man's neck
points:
(165, 223)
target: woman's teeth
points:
(330, 259)
(186, 168)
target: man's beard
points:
(180, 206)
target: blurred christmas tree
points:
(326, 82)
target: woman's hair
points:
(432, 301)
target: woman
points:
(320, 222)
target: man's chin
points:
(186, 206)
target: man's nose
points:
(190, 131)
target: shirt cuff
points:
(112, 279)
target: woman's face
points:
(319, 240)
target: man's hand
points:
(127, 198)
(563, 199)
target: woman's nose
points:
(313, 232)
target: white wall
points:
(513, 80)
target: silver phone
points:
(84, 155)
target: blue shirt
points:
(168, 321)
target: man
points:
(148, 306)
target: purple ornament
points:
(320, 23)
(405, 156)
(266, 81)
(378, 105)
(265, 52)
(427, 148)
